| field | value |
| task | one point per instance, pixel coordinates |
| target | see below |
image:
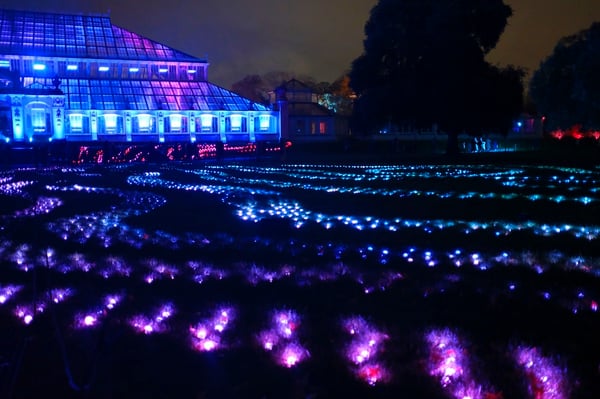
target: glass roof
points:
(77, 36)
(85, 94)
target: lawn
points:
(269, 280)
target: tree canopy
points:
(424, 64)
(336, 96)
(566, 87)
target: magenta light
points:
(545, 378)
(292, 354)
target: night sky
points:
(310, 37)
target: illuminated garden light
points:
(268, 197)
(292, 354)
(7, 292)
(207, 335)
(545, 379)
(364, 349)
(449, 364)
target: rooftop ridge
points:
(71, 13)
(82, 35)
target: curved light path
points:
(256, 204)
(260, 193)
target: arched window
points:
(264, 123)
(76, 122)
(208, 123)
(235, 123)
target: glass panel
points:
(264, 122)
(144, 122)
(38, 119)
(76, 121)
(175, 122)
(110, 122)
(236, 122)
(206, 122)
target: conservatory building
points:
(81, 78)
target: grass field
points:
(420, 278)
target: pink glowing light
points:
(292, 354)
(209, 345)
(281, 339)
(111, 301)
(287, 322)
(93, 317)
(59, 295)
(87, 320)
(364, 349)
(546, 380)
(25, 313)
(149, 325)
(268, 339)
(206, 336)
(206, 345)
(8, 292)
(372, 373)
(448, 362)
(199, 332)
(144, 325)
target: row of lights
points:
(104, 68)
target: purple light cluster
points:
(159, 270)
(204, 271)
(58, 295)
(14, 188)
(206, 335)
(152, 324)
(545, 379)
(364, 349)
(27, 312)
(115, 266)
(7, 292)
(282, 339)
(91, 318)
(448, 362)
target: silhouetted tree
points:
(424, 64)
(252, 87)
(566, 87)
(258, 87)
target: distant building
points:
(303, 118)
(81, 78)
(528, 126)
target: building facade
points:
(81, 78)
(303, 118)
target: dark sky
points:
(319, 38)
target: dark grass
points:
(117, 363)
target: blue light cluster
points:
(119, 200)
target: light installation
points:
(370, 266)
